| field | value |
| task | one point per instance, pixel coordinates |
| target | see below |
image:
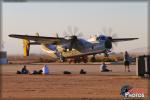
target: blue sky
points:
(127, 19)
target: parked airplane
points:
(70, 47)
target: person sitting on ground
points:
(82, 71)
(24, 70)
(40, 72)
(45, 69)
(103, 68)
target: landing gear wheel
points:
(85, 59)
(62, 59)
(93, 59)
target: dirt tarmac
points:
(94, 85)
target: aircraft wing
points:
(40, 39)
(123, 39)
(86, 54)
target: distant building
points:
(3, 57)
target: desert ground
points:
(94, 85)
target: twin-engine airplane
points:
(71, 47)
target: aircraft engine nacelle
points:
(107, 40)
(108, 43)
(26, 47)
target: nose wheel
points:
(106, 54)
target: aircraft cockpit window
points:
(102, 38)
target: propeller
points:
(72, 31)
(109, 33)
(73, 35)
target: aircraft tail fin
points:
(26, 47)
